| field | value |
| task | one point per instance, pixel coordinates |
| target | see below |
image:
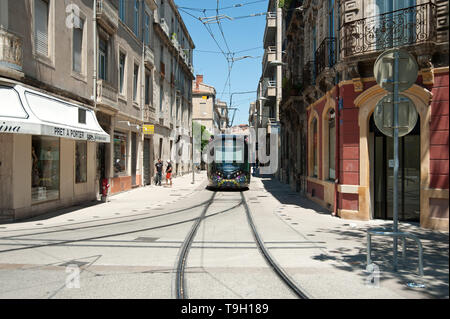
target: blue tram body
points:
(228, 162)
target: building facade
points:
(173, 87)
(221, 115)
(269, 90)
(331, 47)
(78, 95)
(204, 105)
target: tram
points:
(228, 162)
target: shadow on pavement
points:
(286, 196)
(435, 257)
(352, 253)
(55, 212)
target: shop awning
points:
(26, 111)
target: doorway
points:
(147, 180)
(101, 164)
(133, 159)
(408, 175)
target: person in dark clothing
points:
(159, 168)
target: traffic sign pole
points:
(395, 199)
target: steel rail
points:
(180, 283)
(277, 268)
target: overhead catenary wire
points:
(238, 5)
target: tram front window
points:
(229, 155)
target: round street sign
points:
(384, 115)
(383, 70)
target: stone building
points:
(173, 78)
(331, 47)
(75, 95)
(269, 90)
(204, 105)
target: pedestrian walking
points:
(159, 168)
(169, 172)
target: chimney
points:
(199, 80)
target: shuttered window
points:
(41, 26)
(102, 59)
(77, 47)
(135, 82)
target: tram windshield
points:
(229, 154)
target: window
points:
(331, 144)
(161, 99)
(121, 72)
(122, 10)
(77, 57)
(135, 82)
(147, 28)
(80, 162)
(102, 59)
(315, 148)
(136, 18)
(161, 9)
(120, 152)
(147, 88)
(41, 26)
(45, 168)
(81, 116)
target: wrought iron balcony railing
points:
(325, 55)
(309, 74)
(407, 26)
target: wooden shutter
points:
(41, 27)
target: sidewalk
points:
(122, 204)
(327, 255)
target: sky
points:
(242, 36)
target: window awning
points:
(26, 111)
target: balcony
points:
(325, 55)
(106, 93)
(175, 42)
(309, 74)
(107, 16)
(149, 58)
(269, 56)
(413, 25)
(271, 29)
(164, 26)
(269, 88)
(10, 51)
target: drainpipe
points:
(337, 158)
(94, 39)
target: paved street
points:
(130, 247)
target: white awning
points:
(26, 111)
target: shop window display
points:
(120, 152)
(45, 168)
(81, 162)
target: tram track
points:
(111, 235)
(180, 280)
